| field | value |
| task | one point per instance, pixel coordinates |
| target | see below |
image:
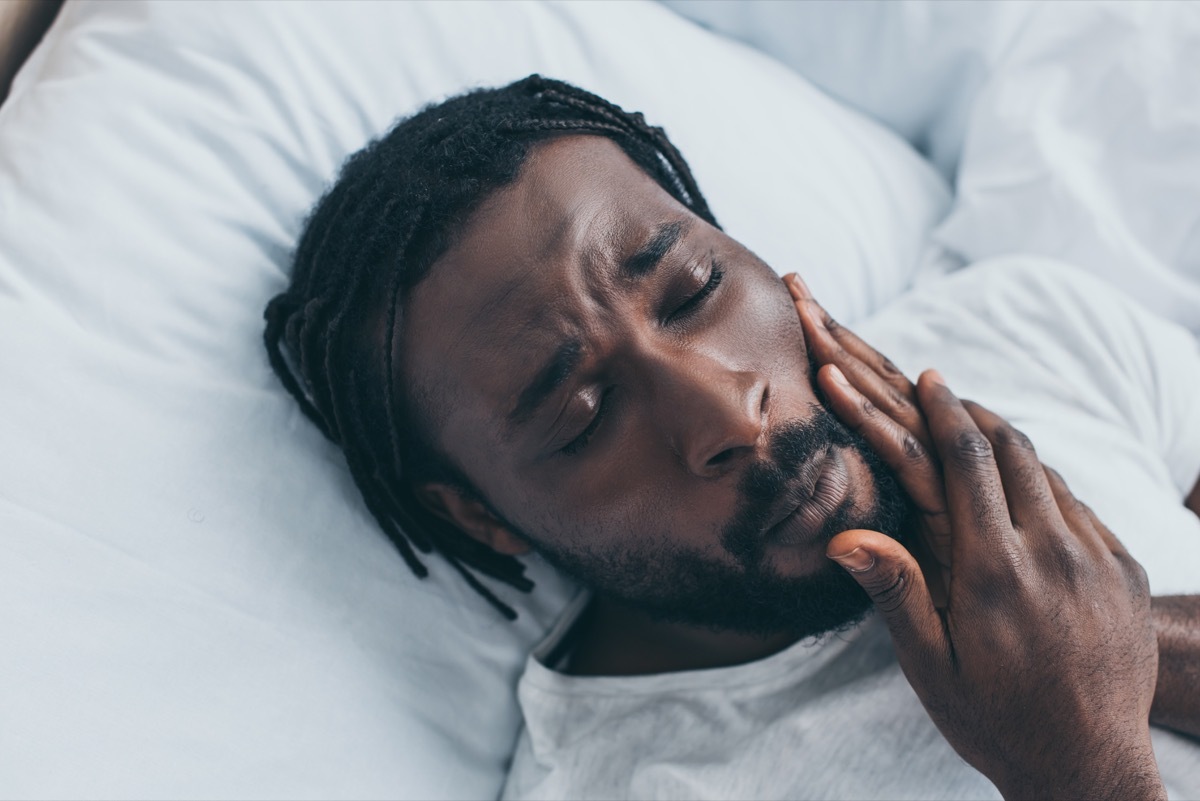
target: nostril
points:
(722, 457)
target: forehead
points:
(523, 273)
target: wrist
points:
(1113, 773)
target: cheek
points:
(765, 325)
(637, 504)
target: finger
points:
(1030, 499)
(1068, 505)
(1111, 541)
(873, 374)
(915, 468)
(1135, 573)
(808, 306)
(891, 577)
(974, 492)
(837, 336)
(1079, 516)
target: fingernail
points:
(856, 561)
(801, 286)
(936, 377)
(838, 376)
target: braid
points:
(394, 209)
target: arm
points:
(22, 23)
(1177, 697)
(1177, 621)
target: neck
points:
(617, 640)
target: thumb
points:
(892, 578)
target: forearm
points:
(1177, 696)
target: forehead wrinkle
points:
(572, 230)
(583, 239)
(501, 318)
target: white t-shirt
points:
(1110, 396)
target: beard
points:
(673, 584)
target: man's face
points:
(629, 390)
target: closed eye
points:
(580, 442)
(693, 303)
(683, 311)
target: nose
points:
(718, 416)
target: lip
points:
(819, 490)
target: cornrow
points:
(393, 211)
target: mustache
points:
(790, 447)
(763, 482)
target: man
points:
(519, 319)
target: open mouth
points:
(819, 491)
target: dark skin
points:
(540, 264)
(689, 403)
(874, 398)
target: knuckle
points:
(891, 591)
(912, 448)
(1139, 580)
(1081, 509)
(1071, 565)
(1009, 436)
(970, 448)
(868, 409)
(888, 368)
(1057, 486)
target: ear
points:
(471, 516)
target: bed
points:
(196, 603)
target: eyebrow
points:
(552, 376)
(649, 255)
(566, 358)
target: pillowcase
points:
(196, 602)
(915, 66)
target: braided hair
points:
(393, 211)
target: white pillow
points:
(915, 66)
(196, 603)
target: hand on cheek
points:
(872, 397)
(1040, 676)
